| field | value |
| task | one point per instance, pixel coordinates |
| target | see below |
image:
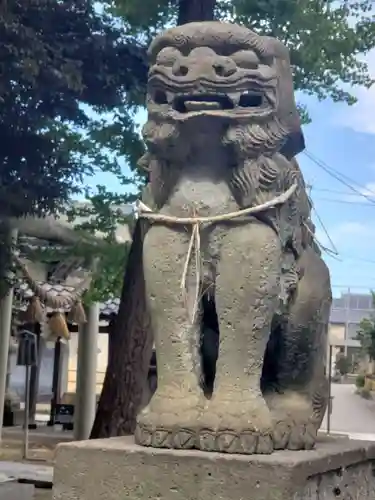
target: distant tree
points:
(366, 334)
(343, 364)
(105, 213)
(54, 57)
(59, 62)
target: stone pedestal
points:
(115, 469)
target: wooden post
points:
(56, 382)
(6, 306)
(35, 376)
(85, 402)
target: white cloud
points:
(346, 229)
(369, 189)
(344, 235)
(360, 116)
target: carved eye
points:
(246, 59)
(167, 56)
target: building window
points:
(353, 331)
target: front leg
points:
(170, 418)
(237, 419)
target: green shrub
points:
(343, 364)
(365, 393)
(360, 381)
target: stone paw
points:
(236, 426)
(294, 435)
(294, 424)
(157, 438)
(166, 436)
(169, 423)
(226, 441)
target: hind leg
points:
(299, 401)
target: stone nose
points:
(209, 67)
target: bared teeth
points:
(236, 98)
(201, 105)
(170, 96)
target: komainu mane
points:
(237, 292)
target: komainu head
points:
(225, 80)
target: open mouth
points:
(210, 102)
(201, 102)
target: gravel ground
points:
(350, 412)
(41, 494)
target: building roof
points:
(351, 308)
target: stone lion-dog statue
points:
(237, 291)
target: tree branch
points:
(49, 228)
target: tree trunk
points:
(195, 10)
(129, 354)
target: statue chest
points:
(202, 196)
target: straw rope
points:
(72, 302)
(194, 244)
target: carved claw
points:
(143, 436)
(294, 436)
(184, 439)
(247, 442)
(228, 442)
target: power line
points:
(344, 176)
(336, 191)
(346, 202)
(345, 288)
(358, 259)
(340, 177)
(348, 183)
(325, 230)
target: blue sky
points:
(343, 138)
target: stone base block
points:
(116, 469)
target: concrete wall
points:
(102, 361)
(336, 333)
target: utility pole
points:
(347, 321)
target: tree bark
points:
(129, 353)
(195, 10)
